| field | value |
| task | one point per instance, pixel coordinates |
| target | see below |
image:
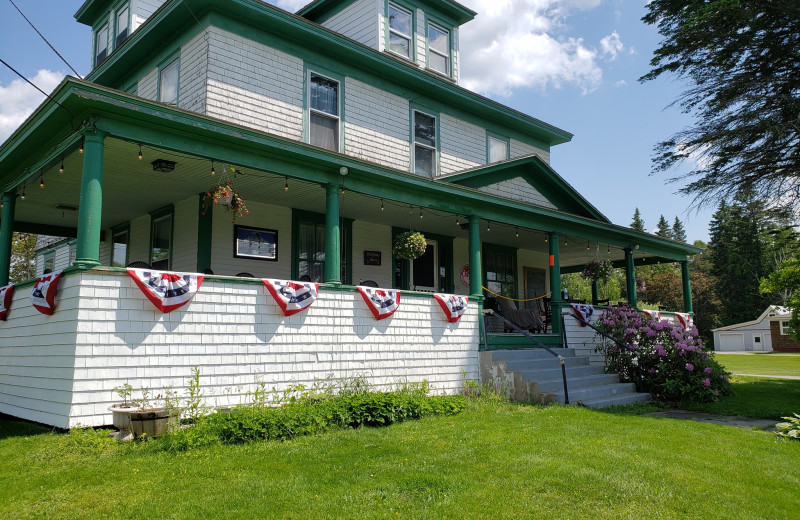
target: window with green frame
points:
(49, 262)
(500, 269)
(438, 49)
(101, 45)
(308, 246)
(120, 238)
(161, 239)
(168, 80)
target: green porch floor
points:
(512, 341)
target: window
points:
(400, 31)
(424, 143)
(168, 83)
(73, 253)
(49, 263)
(784, 328)
(500, 269)
(119, 249)
(123, 16)
(101, 46)
(438, 49)
(309, 228)
(161, 241)
(498, 149)
(323, 118)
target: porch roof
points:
(52, 135)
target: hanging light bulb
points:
(457, 222)
(608, 250)
(587, 245)
(83, 141)
(420, 212)
(488, 225)
(140, 152)
(213, 172)
(382, 208)
(565, 241)
(286, 184)
(23, 193)
(546, 239)
(61, 168)
(516, 232)
(41, 181)
(341, 189)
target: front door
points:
(425, 269)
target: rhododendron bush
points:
(669, 361)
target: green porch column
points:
(91, 203)
(6, 234)
(555, 284)
(630, 278)
(333, 271)
(475, 269)
(687, 287)
(595, 292)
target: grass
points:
(765, 364)
(490, 461)
(755, 397)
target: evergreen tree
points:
(23, 257)
(678, 231)
(637, 224)
(663, 229)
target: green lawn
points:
(768, 364)
(491, 461)
(756, 397)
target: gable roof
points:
(319, 8)
(535, 172)
(775, 311)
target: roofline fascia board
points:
(461, 14)
(128, 117)
(301, 30)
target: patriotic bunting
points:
(453, 305)
(683, 319)
(292, 297)
(381, 302)
(656, 315)
(43, 295)
(167, 290)
(5, 300)
(583, 312)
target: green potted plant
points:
(409, 245)
(143, 417)
(597, 270)
(227, 196)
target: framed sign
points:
(372, 258)
(255, 243)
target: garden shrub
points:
(670, 361)
(790, 429)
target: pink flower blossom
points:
(706, 382)
(689, 367)
(707, 370)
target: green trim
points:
(6, 235)
(333, 236)
(412, 44)
(487, 248)
(205, 220)
(490, 134)
(173, 58)
(90, 210)
(497, 342)
(687, 287)
(630, 279)
(319, 219)
(320, 10)
(450, 46)
(120, 6)
(422, 109)
(475, 267)
(125, 227)
(109, 50)
(168, 210)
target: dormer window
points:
(101, 46)
(123, 25)
(400, 31)
(438, 49)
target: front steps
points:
(535, 375)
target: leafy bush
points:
(670, 361)
(790, 429)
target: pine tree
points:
(637, 224)
(678, 231)
(663, 229)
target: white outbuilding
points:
(750, 335)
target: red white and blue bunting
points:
(292, 297)
(453, 305)
(656, 315)
(381, 302)
(5, 300)
(43, 295)
(166, 290)
(683, 319)
(583, 311)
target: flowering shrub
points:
(229, 198)
(597, 270)
(409, 245)
(669, 361)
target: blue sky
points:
(571, 63)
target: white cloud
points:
(290, 5)
(698, 155)
(621, 83)
(521, 43)
(19, 99)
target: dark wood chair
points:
(245, 275)
(605, 302)
(138, 264)
(544, 312)
(526, 319)
(369, 283)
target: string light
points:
(286, 184)
(609, 249)
(457, 222)
(23, 193)
(213, 172)
(488, 225)
(565, 241)
(61, 168)
(420, 212)
(516, 232)
(41, 181)
(546, 239)
(587, 245)
(83, 141)
(382, 208)
(140, 152)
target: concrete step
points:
(590, 393)
(530, 353)
(616, 400)
(544, 363)
(547, 374)
(555, 385)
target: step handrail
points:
(541, 345)
(635, 352)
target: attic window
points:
(438, 49)
(101, 45)
(122, 25)
(399, 31)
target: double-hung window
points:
(123, 25)
(400, 31)
(49, 262)
(323, 113)
(119, 248)
(424, 143)
(438, 49)
(168, 83)
(784, 325)
(161, 241)
(498, 149)
(101, 46)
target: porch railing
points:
(539, 344)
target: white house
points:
(753, 335)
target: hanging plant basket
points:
(409, 245)
(225, 195)
(597, 270)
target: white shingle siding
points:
(456, 55)
(141, 10)
(377, 125)
(148, 85)
(421, 40)
(193, 74)
(234, 333)
(254, 85)
(358, 22)
(518, 149)
(372, 237)
(518, 189)
(463, 145)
